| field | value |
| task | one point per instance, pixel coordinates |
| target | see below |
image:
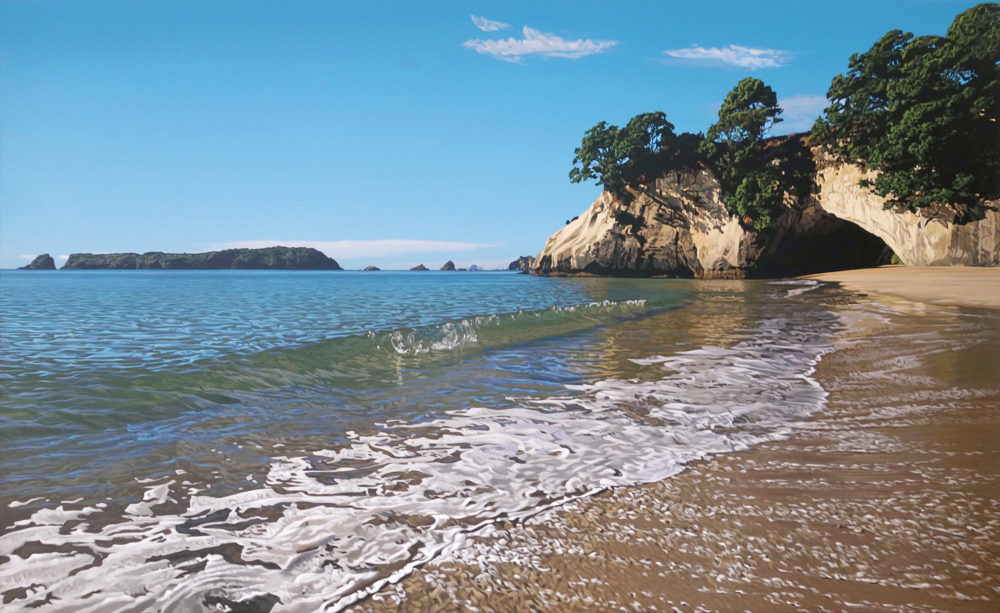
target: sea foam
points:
(327, 528)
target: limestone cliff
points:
(917, 240)
(678, 226)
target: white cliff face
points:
(916, 240)
(680, 227)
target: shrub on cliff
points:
(618, 157)
(924, 112)
(752, 175)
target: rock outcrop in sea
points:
(42, 262)
(523, 263)
(371, 268)
(420, 267)
(268, 258)
(678, 226)
(449, 265)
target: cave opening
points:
(832, 244)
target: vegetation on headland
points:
(924, 113)
(753, 176)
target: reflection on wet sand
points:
(888, 499)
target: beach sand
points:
(888, 499)
(956, 285)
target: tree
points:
(923, 113)
(638, 153)
(752, 185)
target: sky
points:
(382, 133)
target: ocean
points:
(265, 440)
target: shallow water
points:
(190, 440)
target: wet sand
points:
(955, 285)
(887, 500)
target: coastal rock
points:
(268, 258)
(371, 268)
(419, 267)
(42, 262)
(917, 240)
(449, 265)
(523, 263)
(678, 226)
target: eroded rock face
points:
(449, 265)
(917, 240)
(42, 262)
(523, 263)
(679, 227)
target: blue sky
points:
(383, 133)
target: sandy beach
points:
(955, 285)
(889, 499)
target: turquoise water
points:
(292, 440)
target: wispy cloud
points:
(488, 25)
(27, 257)
(536, 42)
(360, 249)
(800, 112)
(733, 56)
(62, 257)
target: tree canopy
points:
(617, 157)
(924, 112)
(753, 183)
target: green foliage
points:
(747, 114)
(751, 175)
(618, 157)
(924, 112)
(759, 197)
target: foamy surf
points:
(326, 528)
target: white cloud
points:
(488, 25)
(800, 112)
(733, 56)
(538, 43)
(359, 249)
(62, 257)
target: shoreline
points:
(884, 499)
(967, 286)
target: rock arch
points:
(916, 240)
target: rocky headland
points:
(42, 262)
(268, 258)
(678, 226)
(523, 263)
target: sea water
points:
(263, 440)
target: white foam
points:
(343, 532)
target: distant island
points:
(268, 258)
(42, 262)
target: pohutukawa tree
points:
(753, 184)
(924, 112)
(636, 154)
